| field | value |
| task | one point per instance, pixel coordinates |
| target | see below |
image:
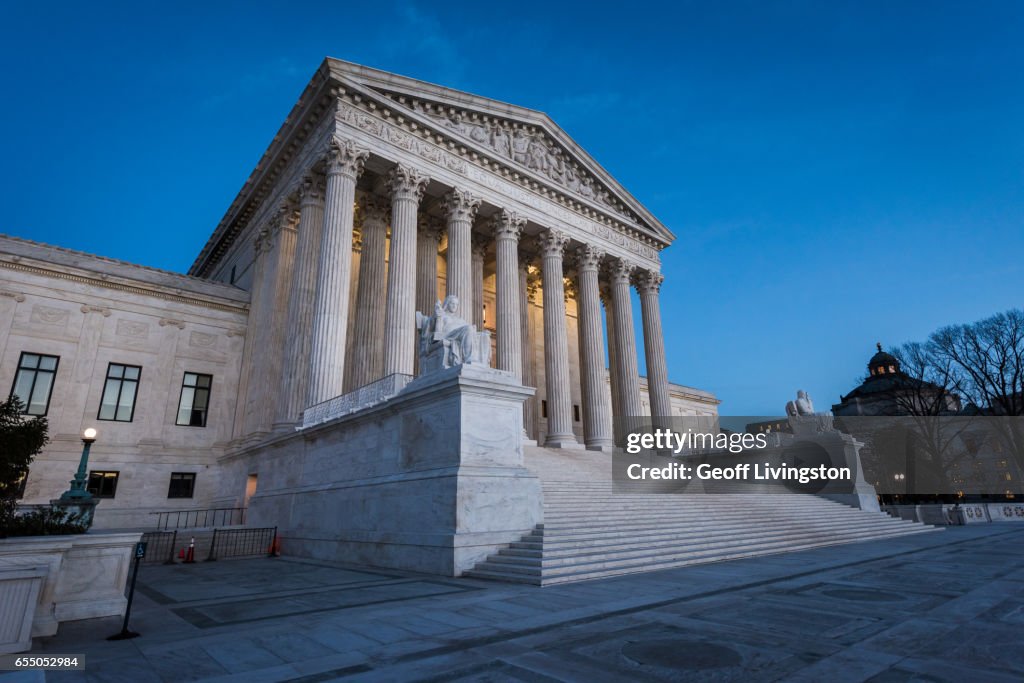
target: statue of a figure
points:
(457, 337)
(804, 405)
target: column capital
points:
(648, 282)
(429, 227)
(345, 157)
(507, 225)
(311, 189)
(407, 182)
(552, 242)
(460, 205)
(589, 257)
(375, 212)
(480, 244)
(620, 271)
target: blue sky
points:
(836, 173)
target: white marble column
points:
(428, 239)
(460, 208)
(630, 403)
(367, 352)
(301, 299)
(648, 284)
(508, 226)
(528, 336)
(407, 187)
(556, 344)
(613, 367)
(597, 418)
(330, 323)
(480, 243)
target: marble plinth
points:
(430, 480)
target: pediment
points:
(528, 139)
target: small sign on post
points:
(125, 634)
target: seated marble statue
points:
(459, 340)
(803, 419)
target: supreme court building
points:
(283, 371)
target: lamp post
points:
(77, 501)
(78, 492)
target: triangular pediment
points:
(527, 139)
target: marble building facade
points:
(379, 195)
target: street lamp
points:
(78, 493)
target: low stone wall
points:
(431, 480)
(80, 577)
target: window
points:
(118, 402)
(102, 484)
(195, 400)
(33, 382)
(543, 408)
(182, 485)
(575, 413)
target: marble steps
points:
(591, 531)
(538, 574)
(570, 545)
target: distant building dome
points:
(882, 363)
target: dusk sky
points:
(836, 173)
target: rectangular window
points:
(575, 412)
(195, 400)
(102, 484)
(118, 401)
(33, 382)
(543, 408)
(182, 485)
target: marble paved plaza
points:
(945, 606)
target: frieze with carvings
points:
(133, 329)
(353, 116)
(202, 340)
(524, 144)
(48, 315)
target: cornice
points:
(53, 271)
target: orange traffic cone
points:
(181, 554)
(190, 557)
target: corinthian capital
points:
(620, 270)
(345, 157)
(407, 183)
(376, 213)
(429, 228)
(311, 189)
(588, 257)
(460, 205)
(552, 242)
(507, 225)
(648, 282)
(480, 243)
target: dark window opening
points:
(543, 408)
(102, 484)
(119, 390)
(575, 413)
(195, 400)
(183, 484)
(33, 382)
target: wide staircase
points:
(591, 532)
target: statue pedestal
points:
(430, 480)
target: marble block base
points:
(430, 480)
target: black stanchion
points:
(125, 634)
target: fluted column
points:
(460, 207)
(330, 323)
(528, 335)
(508, 226)
(480, 243)
(597, 419)
(648, 284)
(428, 239)
(368, 353)
(301, 299)
(556, 345)
(630, 403)
(613, 367)
(407, 187)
